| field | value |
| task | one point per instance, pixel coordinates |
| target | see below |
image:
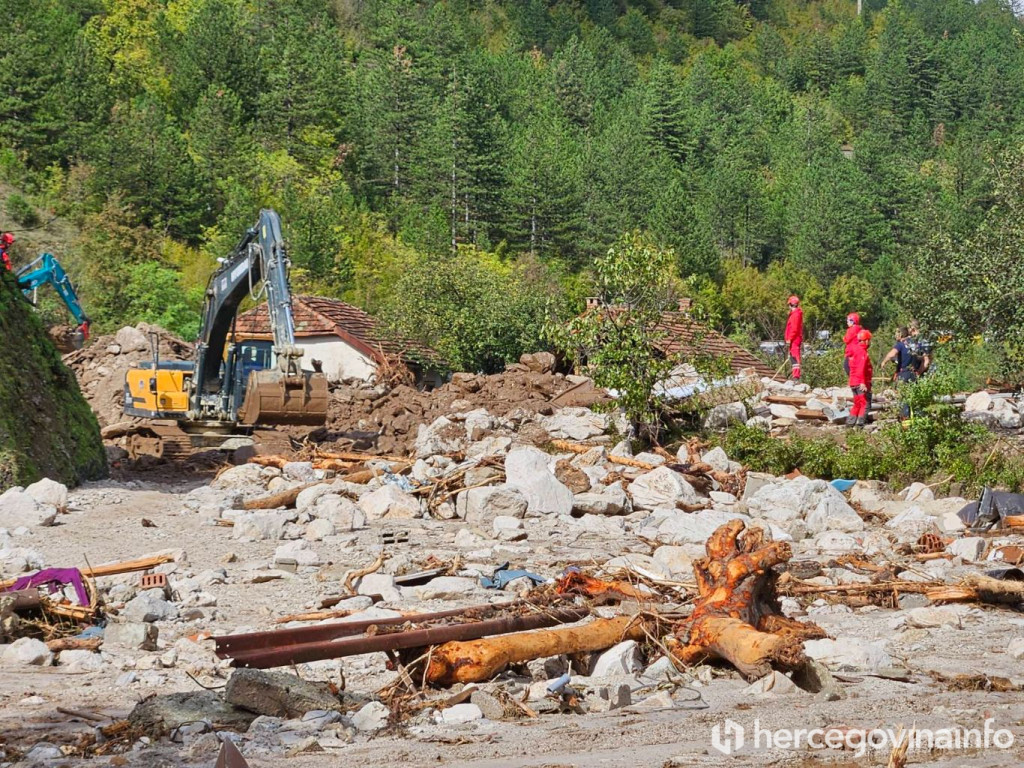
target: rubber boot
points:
(851, 421)
(861, 421)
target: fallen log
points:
(579, 583)
(736, 616)
(313, 616)
(797, 400)
(475, 661)
(364, 476)
(74, 644)
(979, 588)
(626, 461)
(357, 456)
(285, 498)
(811, 414)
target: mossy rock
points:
(46, 427)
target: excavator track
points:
(166, 439)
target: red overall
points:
(794, 337)
(861, 374)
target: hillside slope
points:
(46, 427)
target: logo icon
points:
(728, 739)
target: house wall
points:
(340, 360)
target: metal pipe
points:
(417, 638)
(230, 645)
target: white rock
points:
(441, 436)
(149, 605)
(47, 491)
(661, 487)
(18, 509)
(131, 340)
(721, 497)
(382, 584)
(723, 416)
(261, 526)
(308, 496)
(694, 527)
(971, 548)
(917, 492)
(849, 653)
(602, 525)
(835, 543)
(479, 506)
(780, 411)
(319, 529)
(979, 401)
(834, 514)
(299, 471)
(506, 523)
(574, 424)
(389, 502)
(372, 717)
(27, 651)
(495, 445)
(773, 683)
(342, 512)
(527, 470)
(446, 588)
(297, 552)
(80, 662)
(716, 458)
(459, 714)
(609, 501)
(928, 616)
(244, 477)
(478, 423)
(621, 659)
(1016, 648)
(677, 560)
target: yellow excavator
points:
(231, 391)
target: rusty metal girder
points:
(286, 651)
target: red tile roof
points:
(318, 316)
(688, 337)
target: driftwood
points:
(979, 588)
(474, 661)
(285, 498)
(578, 583)
(736, 616)
(74, 644)
(626, 461)
(313, 616)
(366, 475)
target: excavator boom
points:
(46, 269)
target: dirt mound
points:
(101, 366)
(387, 421)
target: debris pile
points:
(101, 366)
(389, 420)
(482, 581)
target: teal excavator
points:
(47, 270)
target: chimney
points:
(684, 304)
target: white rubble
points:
(527, 470)
(661, 487)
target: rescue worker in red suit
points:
(5, 241)
(861, 374)
(795, 334)
(850, 338)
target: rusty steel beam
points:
(417, 638)
(230, 645)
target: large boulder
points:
(479, 506)
(527, 470)
(612, 500)
(834, 514)
(50, 492)
(575, 424)
(724, 416)
(661, 487)
(390, 502)
(278, 694)
(979, 401)
(18, 509)
(344, 514)
(694, 527)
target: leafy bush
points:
(22, 211)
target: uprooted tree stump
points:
(736, 617)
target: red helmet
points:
(853, 317)
(6, 238)
(864, 337)
(794, 300)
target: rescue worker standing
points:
(903, 356)
(861, 374)
(5, 242)
(850, 338)
(795, 334)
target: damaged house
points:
(346, 342)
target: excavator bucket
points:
(273, 397)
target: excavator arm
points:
(258, 265)
(46, 269)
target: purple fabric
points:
(54, 580)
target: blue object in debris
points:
(503, 576)
(557, 686)
(843, 485)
